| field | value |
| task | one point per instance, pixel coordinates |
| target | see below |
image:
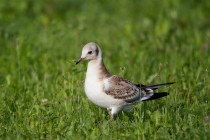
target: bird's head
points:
(90, 51)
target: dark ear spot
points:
(97, 51)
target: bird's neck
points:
(96, 69)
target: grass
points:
(41, 89)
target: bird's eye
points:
(90, 52)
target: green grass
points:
(144, 41)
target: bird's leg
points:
(111, 117)
(110, 114)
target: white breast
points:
(94, 88)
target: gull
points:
(111, 91)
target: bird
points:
(109, 91)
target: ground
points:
(41, 88)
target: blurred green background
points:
(41, 89)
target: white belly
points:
(94, 92)
(94, 89)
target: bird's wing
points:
(123, 89)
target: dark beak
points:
(80, 60)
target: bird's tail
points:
(155, 96)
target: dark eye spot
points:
(90, 52)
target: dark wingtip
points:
(154, 85)
(170, 83)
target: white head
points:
(90, 51)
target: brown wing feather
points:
(121, 88)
